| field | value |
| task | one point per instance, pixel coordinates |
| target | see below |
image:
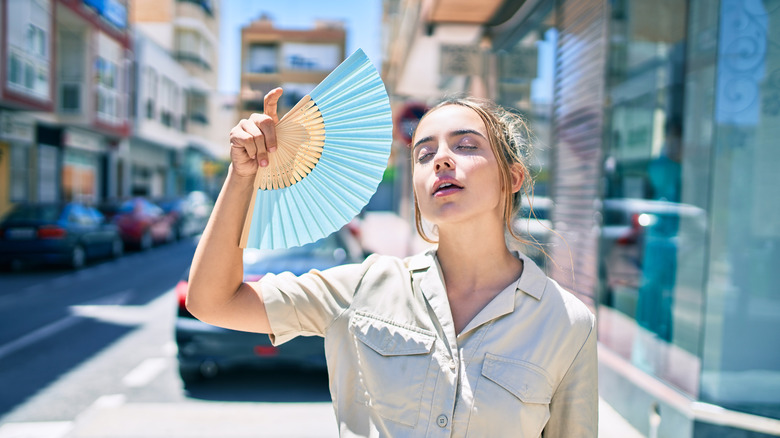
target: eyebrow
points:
(451, 134)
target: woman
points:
(468, 338)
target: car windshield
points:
(44, 213)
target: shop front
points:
(660, 122)
(17, 136)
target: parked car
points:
(535, 226)
(189, 213)
(141, 223)
(64, 233)
(203, 349)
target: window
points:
(71, 97)
(311, 57)
(262, 59)
(28, 54)
(151, 93)
(198, 105)
(109, 95)
(192, 47)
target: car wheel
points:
(146, 241)
(117, 248)
(78, 257)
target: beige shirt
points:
(525, 366)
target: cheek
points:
(418, 180)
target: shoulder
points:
(576, 312)
(560, 306)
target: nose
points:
(442, 160)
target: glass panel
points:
(651, 249)
(526, 73)
(741, 351)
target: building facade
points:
(657, 121)
(294, 59)
(100, 102)
(64, 98)
(188, 30)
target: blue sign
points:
(113, 11)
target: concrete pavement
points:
(112, 418)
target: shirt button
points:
(453, 365)
(441, 421)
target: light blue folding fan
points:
(332, 151)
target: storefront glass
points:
(526, 73)
(653, 234)
(741, 353)
(690, 236)
(79, 176)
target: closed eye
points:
(424, 156)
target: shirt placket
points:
(447, 374)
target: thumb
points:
(270, 103)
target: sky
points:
(362, 19)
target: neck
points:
(476, 259)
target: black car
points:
(204, 349)
(62, 233)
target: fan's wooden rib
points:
(300, 138)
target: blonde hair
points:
(510, 140)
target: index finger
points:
(270, 102)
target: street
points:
(91, 353)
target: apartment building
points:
(295, 59)
(64, 98)
(186, 98)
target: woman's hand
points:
(251, 140)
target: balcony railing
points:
(193, 58)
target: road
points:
(91, 354)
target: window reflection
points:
(653, 319)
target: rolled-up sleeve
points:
(574, 406)
(307, 304)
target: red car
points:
(143, 224)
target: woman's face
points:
(456, 176)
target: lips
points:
(447, 186)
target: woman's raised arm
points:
(217, 294)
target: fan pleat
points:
(333, 150)
(325, 208)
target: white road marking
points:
(37, 335)
(144, 373)
(108, 401)
(92, 309)
(41, 429)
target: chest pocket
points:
(394, 360)
(512, 394)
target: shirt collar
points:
(532, 281)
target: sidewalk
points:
(612, 425)
(228, 420)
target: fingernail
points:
(272, 148)
(263, 163)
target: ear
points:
(517, 176)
